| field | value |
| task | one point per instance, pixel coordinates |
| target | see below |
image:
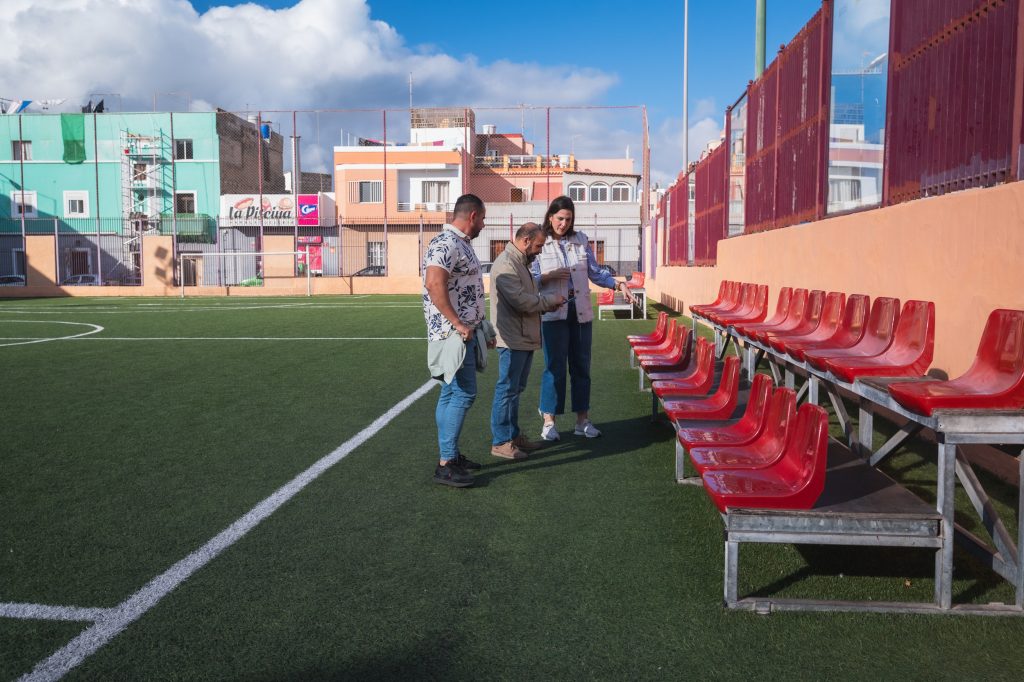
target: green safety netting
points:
(72, 128)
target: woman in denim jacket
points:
(566, 267)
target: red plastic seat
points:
(659, 346)
(606, 297)
(701, 359)
(732, 297)
(805, 318)
(846, 334)
(797, 306)
(909, 354)
(724, 290)
(656, 336)
(794, 482)
(764, 450)
(757, 311)
(693, 381)
(746, 429)
(995, 380)
(781, 311)
(677, 358)
(636, 280)
(827, 316)
(877, 335)
(719, 405)
(747, 293)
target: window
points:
(497, 247)
(620, 191)
(23, 203)
(76, 204)
(21, 150)
(184, 202)
(599, 192)
(375, 254)
(518, 195)
(435, 191)
(182, 149)
(597, 246)
(366, 192)
(578, 191)
(140, 171)
(18, 261)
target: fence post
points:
(825, 111)
(384, 115)
(1017, 122)
(96, 173)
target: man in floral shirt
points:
(453, 303)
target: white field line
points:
(95, 329)
(46, 612)
(115, 620)
(218, 338)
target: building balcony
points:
(424, 207)
(526, 162)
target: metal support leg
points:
(893, 444)
(812, 389)
(944, 505)
(732, 563)
(866, 429)
(789, 378)
(844, 418)
(1020, 535)
(654, 405)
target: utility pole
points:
(686, 75)
(759, 31)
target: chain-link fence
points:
(349, 192)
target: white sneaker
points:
(549, 432)
(587, 429)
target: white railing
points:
(424, 206)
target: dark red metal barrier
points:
(762, 135)
(803, 105)
(953, 97)
(710, 206)
(678, 205)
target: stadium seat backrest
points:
(856, 314)
(832, 312)
(761, 298)
(797, 306)
(781, 412)
(757, 403)
(782, 305)
(1000, 355)
(885, 312)
(804, 459)
(915, 333)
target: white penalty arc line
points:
(113, 621)
(95, 330)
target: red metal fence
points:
(676, 210)
(954, 93)
(710, 208)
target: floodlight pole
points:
(759, 33)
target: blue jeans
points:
(453, 403)
(566, 345)
(513, 371)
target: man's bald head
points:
(530, 240)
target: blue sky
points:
(345, 54)
(640, 44)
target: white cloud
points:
(667, 146)
(316, 54)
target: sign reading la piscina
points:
(275, 209)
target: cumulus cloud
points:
(667, 145)
(861, 33)
(316, 54)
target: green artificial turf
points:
(585, 561)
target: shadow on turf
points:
(620, 437)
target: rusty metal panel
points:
(762, 135)
(678, 234)
(802, 106)
(712, 179)
(950, 120)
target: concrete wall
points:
(964, 251)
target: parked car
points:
(485, 269)
(12, 280)
(370, 271)
(82, 280)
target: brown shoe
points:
(525, 444)
(508, 451)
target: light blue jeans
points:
(455, 400)
(513, 372)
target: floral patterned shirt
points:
(452, 251)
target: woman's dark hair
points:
(560, 204)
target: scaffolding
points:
(146, 192)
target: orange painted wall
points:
(964, 251)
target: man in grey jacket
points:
(516, 307)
